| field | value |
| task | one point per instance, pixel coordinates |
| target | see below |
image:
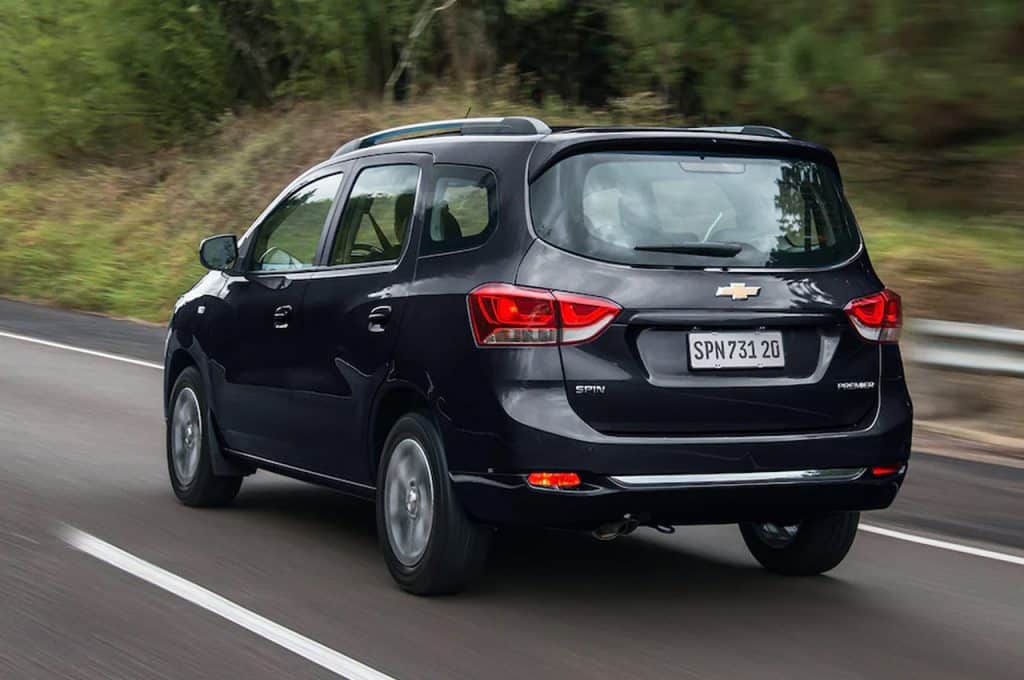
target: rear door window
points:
(678, 210)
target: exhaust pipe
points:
(620, 527)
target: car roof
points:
(483, 141)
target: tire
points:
(819, 544)
(430, 545)
(188, 449)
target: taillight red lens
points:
(583, 318)
(554, 480)
(885, 470)
(503, 314)
(877, 317)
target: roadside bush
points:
(85, 76)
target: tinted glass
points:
(377, 215)
(289, 236)
(464, 210)
(672, 210)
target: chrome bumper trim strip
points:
(742, 478)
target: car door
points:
(258, 340)
(352, 310)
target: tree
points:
(419, 24)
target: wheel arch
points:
(178, 359)
(392, 402)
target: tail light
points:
(877, 317)
(583, 318)
(503, 314)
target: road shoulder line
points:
(80, 350)
(944, 545)
(311, 650)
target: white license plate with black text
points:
(750, 349)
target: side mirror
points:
(218, 252)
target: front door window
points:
(289, 236)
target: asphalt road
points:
(81, 444)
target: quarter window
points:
(289, 236)
(377, 215)
(464, 209)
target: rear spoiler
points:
(710, 141)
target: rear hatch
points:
(732, 272)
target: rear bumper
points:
(509, 500)
(539, 431)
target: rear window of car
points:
(685, 210)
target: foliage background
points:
(131, 128)
(82, 76)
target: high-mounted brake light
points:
(877, 317)
(503, 314)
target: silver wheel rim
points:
(409, 501)
(776, 535)
(186, 435)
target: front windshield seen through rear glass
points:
(684, 210)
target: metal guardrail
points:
(966, 347)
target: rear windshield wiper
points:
(710, 248)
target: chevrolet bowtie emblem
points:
(738, 291)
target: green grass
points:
(121, 239)
(897, 235)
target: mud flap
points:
(223, 466)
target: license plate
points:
(756, 349)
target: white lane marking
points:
(945, 545)
(82, 350)
(294, 642)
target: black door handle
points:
(282, 316)
(378, 318)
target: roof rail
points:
(509, 125)
(762, 130)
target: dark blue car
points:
(486, 322)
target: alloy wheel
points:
(186, 435)
(409, 501)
